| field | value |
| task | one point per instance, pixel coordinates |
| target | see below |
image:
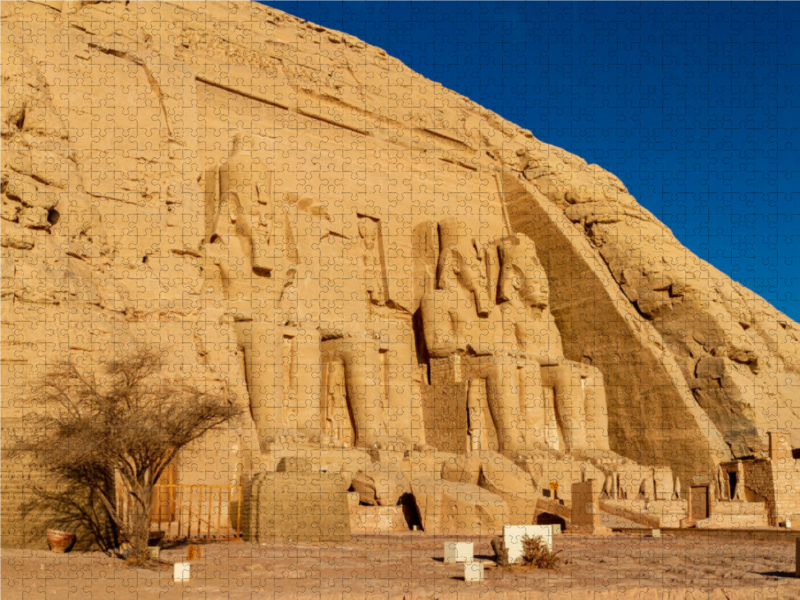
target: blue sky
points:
(695, 106)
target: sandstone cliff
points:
(114, 116)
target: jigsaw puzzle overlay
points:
(431, 319)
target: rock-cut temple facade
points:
(430, 316)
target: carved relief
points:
(337, 427)
(374, 261)
(203, 41)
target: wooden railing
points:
(195, 512)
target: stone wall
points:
(776, 480)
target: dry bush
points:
(121, 426)
(537, 555)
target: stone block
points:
(586, 508)
(446, 507)
(656, 533)
(181, 571)
(503, 477)
(381, 484)
(456, 552)
(513, 534)
(463, 468)
(296, 506)
(473, 571)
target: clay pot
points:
(60, 541)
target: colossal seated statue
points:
(248, 245)
(353, 356)
(529, 327)
(459, 319)
(300, 288)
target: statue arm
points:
(513, 338)
(550, 351)
(440, 338)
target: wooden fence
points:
(194, 512)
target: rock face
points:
(285, 207)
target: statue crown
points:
(519, 251)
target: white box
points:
(513, 534)
(473, 571)
(456, 552)
(181, 571)
(656, 533)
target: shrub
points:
(536, 554)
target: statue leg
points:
(308, 382)
(474, 414)
(363, 383)
(263, 366)
(570, 410)
(533, 409)
(502, 390)
(406, 424)
(596, 408)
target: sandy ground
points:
(410, 566)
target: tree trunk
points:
(139, 532)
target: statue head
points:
(462, 260)
(246, 198)
(522, 274)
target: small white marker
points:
(473, 571)
(182, 571)
(456, 552)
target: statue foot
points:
(285, 436)
(424, 448)
(377, 445)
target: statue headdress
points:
(518, 252)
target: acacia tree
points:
(124, 424)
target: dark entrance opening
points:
(732, 479)
(546, 518)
